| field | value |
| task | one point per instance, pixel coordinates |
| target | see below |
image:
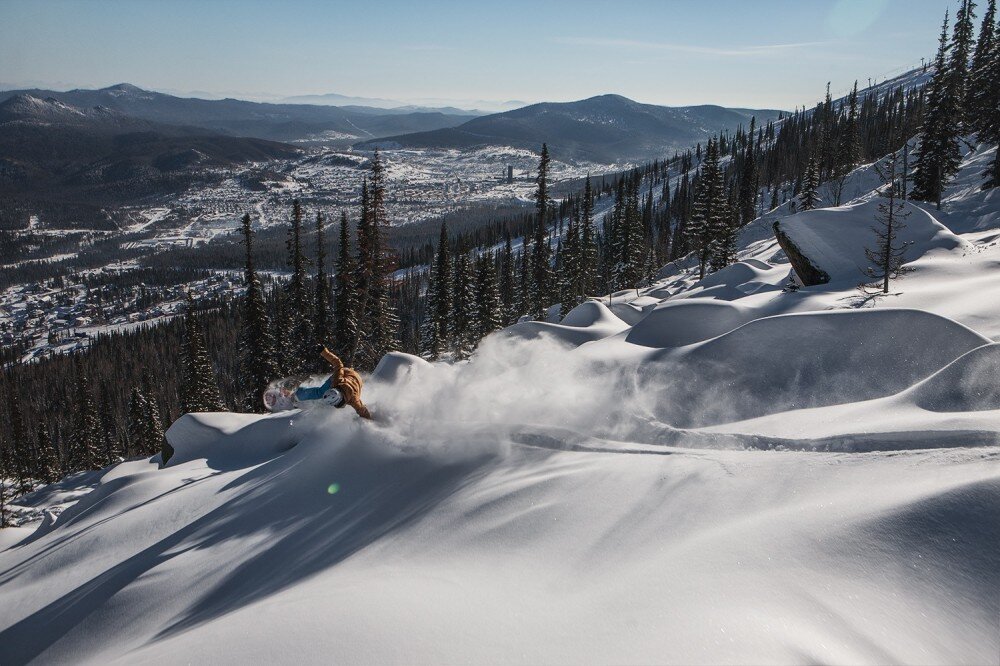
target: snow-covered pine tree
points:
(708, 208)
(199, 391)
(986, 82)
(438, 300)
(961, 52)
(18, 443)
(462, 324)
(378, 331)
(5, 493)
(540, 292)
(153, 435)
(523, 278)
(508, 283)
(345, 302)
(810, 186)
(322, 317)
(588, 244)
(489, 310)
(258, 357)
(978, 94)
(848, 147)
(111, 444)
(938, 156)
(298, 326)
(569, 265)
(85, 443)
(887, 254)
(47, 463)
(135, 423)
(748, 179)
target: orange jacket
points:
(348, 382)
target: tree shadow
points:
(376, 494)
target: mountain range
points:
(275, 122)
(606, 128)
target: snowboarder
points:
(346, 381)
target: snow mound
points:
(227, 440)
(971, 383)
(398, 367)
(628, 313)
(684, 322)
(802, 360)
(591, 313)
(832, 241)
(584, 323)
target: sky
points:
(748, 53)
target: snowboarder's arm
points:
(333, 360)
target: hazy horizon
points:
(774, 54)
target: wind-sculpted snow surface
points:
(714, 471)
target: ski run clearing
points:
(722, 471)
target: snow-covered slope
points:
(720, 471)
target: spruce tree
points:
(322, 317)
(345, 303)
(540, 292)
(810, 186)
(489, 310)
(508, 283)
(707, 216)
(199, 391)
(379, 323)
(136, 423)
(299, 323)
(85, 446)
(258, 357)
(18, 440)
(887, 254)
(588, 244)
(961, 51)
(439, 288)
(938, 157)
(748, 179)
(848, 148)
(978, 94)
(48, 463)
(153, 435)
(462, 324)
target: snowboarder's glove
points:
(319, 348)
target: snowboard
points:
(301, 392)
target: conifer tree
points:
(258, 358)
(489, 310)
(323, 317)
(299, 325)
(748, 179)
(135, 425)
(462, 325)
(345, 301)
(85, 445)
(588, 244)
(978, 94)
(810, 186)
(540, 292)
(961, 51)
(48, 464)
(5, 491)
(887, 255)
(708, 212)
(938, 157)
(18, 440)
(378, 331)
(508, 283)
(524, 279)
(199, 391)
(848, 148)
(153, 435)
(439, 287)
